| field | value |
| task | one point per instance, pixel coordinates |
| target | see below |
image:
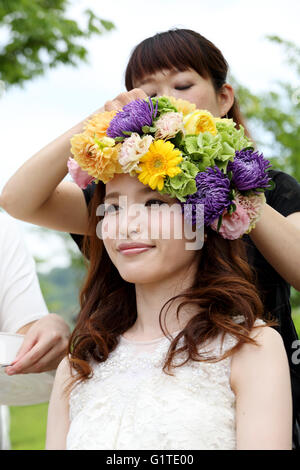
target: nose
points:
(131, 220)
(165, 90)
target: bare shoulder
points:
(268, 350)
(63, 374)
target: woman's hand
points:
(124, 98)
(44, 346)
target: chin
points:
(138, 277)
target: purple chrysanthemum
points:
(213, 189)
(132, 118)
(249, 170)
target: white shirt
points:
(21, 300)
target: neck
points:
(150, 299)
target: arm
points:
(278, 239)
(260, 379)
(44, 345)
(51, 202)
(58, 411)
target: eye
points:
(111, 208)
(185, 87)
(155, 201)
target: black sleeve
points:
(88, 194)
(285, 197)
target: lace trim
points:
(126, 359)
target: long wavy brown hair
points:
(224, 285)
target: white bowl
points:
(10, 344)
(21, 389)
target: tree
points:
(41, 36)
(274, 115)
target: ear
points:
(225, 99)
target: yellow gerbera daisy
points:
(183, 106)
(160, 161)
(99, 158)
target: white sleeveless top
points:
(129, 403)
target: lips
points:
(132, 246)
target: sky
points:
(48, 106)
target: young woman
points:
(184, 64)
(124, 394)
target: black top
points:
(275, 291)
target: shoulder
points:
(285, 197)
(63, 370)
(281, 177)
(254, 359)
(63, 374)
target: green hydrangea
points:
(231, 139)
(209, 150)
(164, 106)
(182, 184)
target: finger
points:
(48, 362)
(28, 343)
(113, 105)
(30, 358)
(138, 93)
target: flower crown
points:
(181, 151)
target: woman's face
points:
(188, 85)
(149, 218)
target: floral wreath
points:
(181, 151)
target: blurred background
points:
(61, 60)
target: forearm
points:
(34, 182)
(278, 240)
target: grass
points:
(28, 427)
(28, 423)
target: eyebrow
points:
(145, 80)
(140, 191)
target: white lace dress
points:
(129, 403)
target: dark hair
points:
(181, 49)
(224, 286)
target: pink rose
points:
(235, 225)
(81, 178)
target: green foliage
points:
(41, 36)
(296, 320)
(276, 114)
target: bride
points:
(118, 389)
